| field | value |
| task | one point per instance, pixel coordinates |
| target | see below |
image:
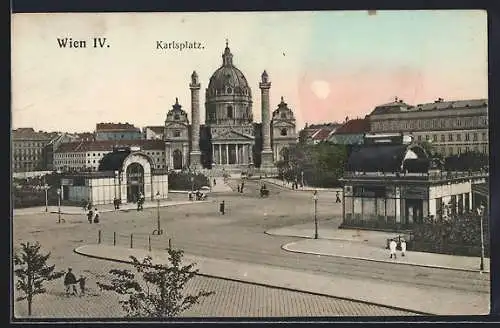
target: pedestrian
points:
(215, 182)
(70, 282)
(90, 215)
(403, 247)
(222, 208)
(242, 186)
(190, 195)
(238, 186)
(392, 248)
(96, 215)
(81, 281)
(337, 200)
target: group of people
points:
(70, 283)
(393, 247)
(92, 215)
(197, 195)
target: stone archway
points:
(285, 154)
(177, 158)
(135, 181)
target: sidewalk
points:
(369, 246)
(279, 183)
(76, 210)
(417, 299)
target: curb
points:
(271, 286)
(133, 209)
(284, 247)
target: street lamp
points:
(59, 205)
(46, 188)
(315, 198)
(158, 230)
(481, 213)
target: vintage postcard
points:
(250, 164)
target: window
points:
(177, 133)
(177, 117)
(427, 137)
(450, 137)
(485, 136)
(475, 136)
(283, 132)
(283, 115)
(459, 137)
(419, 138)
(467, 138)
(229, 111)
(435, 137)
(459, 123)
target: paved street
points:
(239, 235)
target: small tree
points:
(32, 271)
(161, 294)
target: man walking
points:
(392, 248)
(70, 282)
(242, 185)
(222, 208)
(403, 247)
(90, 215)
(337, 200)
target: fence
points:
(134, 240)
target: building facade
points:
(229, 140)
(351, 132)
(117, 131)
(28, 149)
(451, 127)
(283, 131)
(123, 174)
(86, 156)
(391, 186)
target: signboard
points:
(66, 182)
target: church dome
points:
(227, 79)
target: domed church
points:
(229, 139)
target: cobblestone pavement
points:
(231, 299)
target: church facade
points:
(229, 139)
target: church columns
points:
(227, 154)
(237, 150)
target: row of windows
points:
(463, 122)
(454, 137)
(27, 151)
(28, 144)
(461, 149)
(26, 158)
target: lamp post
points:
(315, 198)
(158, 230)
(302, 178)
(480, 211)
(46, 188)
(59, 205)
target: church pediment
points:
(176, 125)
(232, 135)
(283, 123)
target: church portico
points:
(231, 153)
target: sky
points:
(326, 65)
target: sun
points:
(321, 89)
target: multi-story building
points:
(117, 131)
(153, 132)
(86, 156)
(351, 133)
(316, 133)
(28, 149)
(451, 127)
(61, 138)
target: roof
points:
(155, 129)
(356, 126)
(396, 107)
(383, 158)
(113, 161)
(109, 127)
(321, 134)
(108, 145)
(31, 134)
